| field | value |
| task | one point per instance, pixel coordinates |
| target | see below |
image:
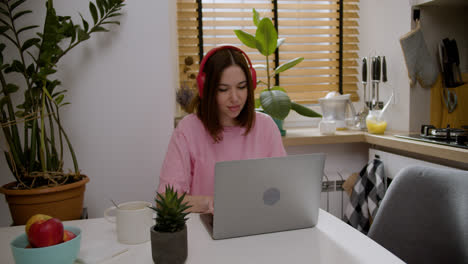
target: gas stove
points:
(455, 137)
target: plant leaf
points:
(3, 11)
(29, 43)
(256, 17)
(59, 99)
(19, 114)
(4, 29)
(82, 35)
(280, 42)
(106, 5)
(114, 15)
(27, 28)
(11, 88)
(3, 101)
(73, 36)
(98, 29)
(30, 69)
(2, 47)
(16, 66)
(275, 103)
(85, 25)
(21, 13)
(257, 103)
(288, 65)
(16, 4)
(278, 88)
(266, 37)
(100, 7)
(93, 10)
(111, 22)
(246, 38)
(305, 111)
(4, 22)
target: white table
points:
(331, 241)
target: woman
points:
(225, 127)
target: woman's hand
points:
(200, 204)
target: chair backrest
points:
(423, 217)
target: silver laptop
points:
(265, 195)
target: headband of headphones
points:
(201, 74)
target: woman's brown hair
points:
(207, 107)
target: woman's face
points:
(232, 94)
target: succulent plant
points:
(171, 211)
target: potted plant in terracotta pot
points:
(273, 100)
(169, 234)
(31, 98)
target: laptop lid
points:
(267, 195)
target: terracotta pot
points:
(169, 248)
(64, 202)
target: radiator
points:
(333, 198)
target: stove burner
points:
(431, 132)
(455, 137)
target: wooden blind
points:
(311, 29)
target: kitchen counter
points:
(311, 136)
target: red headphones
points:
(201, 75)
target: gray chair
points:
(423, 217)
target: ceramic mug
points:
(133, 221)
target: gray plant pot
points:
(169, 248)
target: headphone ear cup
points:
(253, 73)
(200, 83)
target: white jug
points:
(334, 109)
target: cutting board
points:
(440, 116)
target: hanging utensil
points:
(450, 98)
(365, 110)
(364, 79)
(375, 82)
(384, 72)
(372, 92)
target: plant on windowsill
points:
(273, 100)
(185, 93)
(169, 234)
(30, 105)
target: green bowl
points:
(63, 253)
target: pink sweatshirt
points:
(192, 154)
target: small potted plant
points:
(186, 92)
(273, 100)
(169, 234)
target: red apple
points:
(44, 233)
(35, 218)
(68, 235)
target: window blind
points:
(311, 28)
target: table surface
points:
(331, 241)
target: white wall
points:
(121, 86)
(381, 24)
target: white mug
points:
(133, 221)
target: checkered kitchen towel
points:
(367, 194)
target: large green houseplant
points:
(169, 234)
(273, 100)
(31, 98)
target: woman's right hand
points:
(200, 204)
